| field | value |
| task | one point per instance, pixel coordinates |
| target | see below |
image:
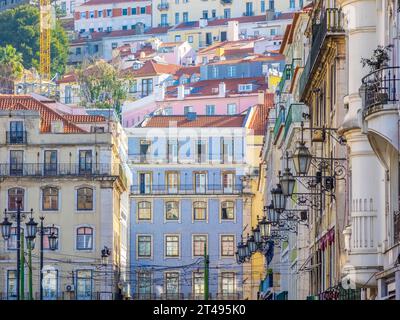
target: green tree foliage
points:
(11, 66)
(20, 28)
(102, 85)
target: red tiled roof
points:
(146, 50)
(95, 36)
(97, 2)
(220, 22)
(285, 16)
(84, 118)
(158, 30)
(171, 44)
(188, 71)
(68, 78)
(152, 68)
(259, 120)
(47, 115)
(254, 58)
(210, 87)
(201, 121)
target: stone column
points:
(367, 175)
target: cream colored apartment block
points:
(78, 164)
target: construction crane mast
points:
(45, 33)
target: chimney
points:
(222, 90)
(191, 116)
(269, 14)
(233, 31)
(203, 23)
(160, 92)
(181, 92)
(261, 97)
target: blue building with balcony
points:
(187, 201)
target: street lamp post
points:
(32, 230)
(6, 232)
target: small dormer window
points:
(57, 127)
(245, 87)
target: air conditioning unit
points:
(69, 288)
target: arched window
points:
(85, 199)
(172, 210)
(50, 198)
(199, 210)
(144, 210)
(15, 196)
(227, 210)
(84, 238)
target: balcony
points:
(66, 295)
(171, 296)
(279, 122)
(186, 189)
(16, 137)
(208, 158)
(144, 296)
(294, 115)
(228, 296)
(57, 170)
(286, 75)
(248, 14)
(163, 6)
(396, 227)
(331, 25)
(380, 90)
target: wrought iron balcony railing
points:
(228, 296)
(204, 158)
(396, 227)
(331, 24)
(144, 296)
(248, 13)
(380, 88)
(16, 137)
(58, 169)
(294, 115)
(163, 6)
(171, 296)
(187, 189)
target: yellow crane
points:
(45, 33)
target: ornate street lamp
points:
(238, 260)
(257, 236)
(278, 198)
(251, 245)
(264, 228)
(105, 253)
(287, 182)
(241, 250)
(31, 229)
(302, 159)
(272, 214)
(6, 228)
(53, 238)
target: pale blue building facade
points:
(187, 195)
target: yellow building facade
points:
(173, 12)
(68, 170)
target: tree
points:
(102, 84)
(20, 28)
(379, 58)
(11, 66)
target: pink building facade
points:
(218, 101)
